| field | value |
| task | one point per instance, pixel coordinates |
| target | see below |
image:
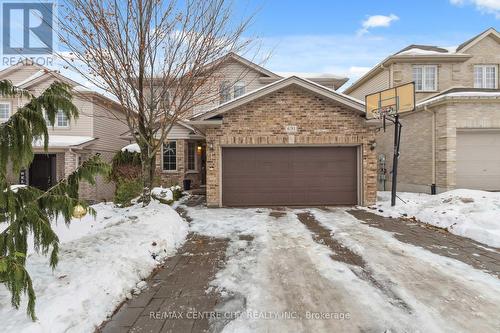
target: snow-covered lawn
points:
(283, 271)
(100, 262)
(469, 213)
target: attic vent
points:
(397, 76)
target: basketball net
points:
(384, 113)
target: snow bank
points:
(100, 262)
(132, 148)
(469, 213)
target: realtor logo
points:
(27, 28)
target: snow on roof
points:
(416, 50)
(132, 148)
(468, 94)
(311, 75)
(64, 141)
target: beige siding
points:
(108, 125)
(378, 82)
(82, 126)
(20, 74)
(178, 132)
(232, 71)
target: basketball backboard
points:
(390, 101)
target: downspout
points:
(433, 136)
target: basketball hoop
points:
(388, 104)
(386, 111)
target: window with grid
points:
(191, 156)
(170, 156)
(238, 89)
(4, 111)
(224, 92)
(425, 77)
(60, 121)
(485, 76)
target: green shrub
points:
(125, 166)
(126, 190)
(176, 192)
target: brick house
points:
(452, 140)
(96, 131)
(295, 141)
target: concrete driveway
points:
(319, 270)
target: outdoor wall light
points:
(372, 144)
(199, 148)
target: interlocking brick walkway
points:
(436, 240)
(178, 288)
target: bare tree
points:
(159, 58)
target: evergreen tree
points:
(27, 210)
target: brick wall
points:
(169, 178)
(319, 121)
(458, 73)
(415, 164)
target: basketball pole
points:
(397, 140)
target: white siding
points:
(379, 82)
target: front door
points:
(42, 172)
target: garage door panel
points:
(264, 176)
(478, 160)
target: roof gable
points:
(252, 65)
(474, 40)
(266, 90)
(426, 52)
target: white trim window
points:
(4, 111)
(224, 92)
(238, 89)
(485, 76)
(170, 156)
(425, 77)
(61, 120)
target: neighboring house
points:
(96, 131)
(452, 140)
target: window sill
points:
(192, 171)
(170, 171)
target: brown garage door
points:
(274, 176)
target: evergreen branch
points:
(29, 210)
(29, 123)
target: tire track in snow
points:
(357, 264)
